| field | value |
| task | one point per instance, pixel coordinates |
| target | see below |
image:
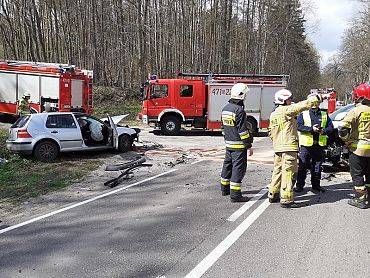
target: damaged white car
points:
(45, 135)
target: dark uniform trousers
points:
(235, 166)
(360, 167)
(310, 157)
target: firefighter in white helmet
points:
(238, 139)
(24, 105)
(283, 132)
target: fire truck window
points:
(159, 91)
(60, 121)
(186, 90)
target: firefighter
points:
(355, 131)
(238, 140)
(47, 107)
(314, 126)
(283, 132)
(24, 106)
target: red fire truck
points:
(197, 100)
(66, 88)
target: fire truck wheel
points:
(46, 151)
(170, 125)
(124, 143)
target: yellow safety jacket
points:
(306, 138)
(24, 107)
(358, 121)
(283, 125)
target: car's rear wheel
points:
(125, 143)
(46, 151)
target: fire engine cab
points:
(65, 87)
(197, 100)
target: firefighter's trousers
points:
(283, 176)
(310, 158)
(360, 170)
(233, 170)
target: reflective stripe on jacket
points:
(358, 122)
(234, 123)
(306, 138)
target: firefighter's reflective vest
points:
(234, 123)
(306, 138)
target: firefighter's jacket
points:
(24, 107)
(357, 121)
(235, 129)
(283, 124)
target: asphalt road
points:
(178, 224)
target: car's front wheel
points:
(124, 143)
(46, 151)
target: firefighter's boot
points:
(225, 187)
(274, 198)
(361, 199)
(225, 190)
(237, 197)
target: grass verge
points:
(22, 178)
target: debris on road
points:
(147, 146)
(127, 170)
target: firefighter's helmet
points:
(26, 94)
(361, 92)
(239, 91)
(282, 95)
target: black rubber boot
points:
(318, 189)
(289, 205)
(361, 199)
(275, 198)
(225, 190)
(298, 189)
(237, 197)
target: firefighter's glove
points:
(344, 131)
(325, 96)
(250, 152)
(316, 128)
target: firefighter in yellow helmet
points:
(284, 134)
(24, 105)
(238, 138)
(355, 131)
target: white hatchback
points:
(45, 135)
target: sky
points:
(326, 23)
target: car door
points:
(159, 98)
(63, 127)
(114, 131)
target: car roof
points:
(56, 113)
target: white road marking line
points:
(247, 205)
(82, 203)
(216, 253)
(198, 161)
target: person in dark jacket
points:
(238, 139)
(314, 126)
